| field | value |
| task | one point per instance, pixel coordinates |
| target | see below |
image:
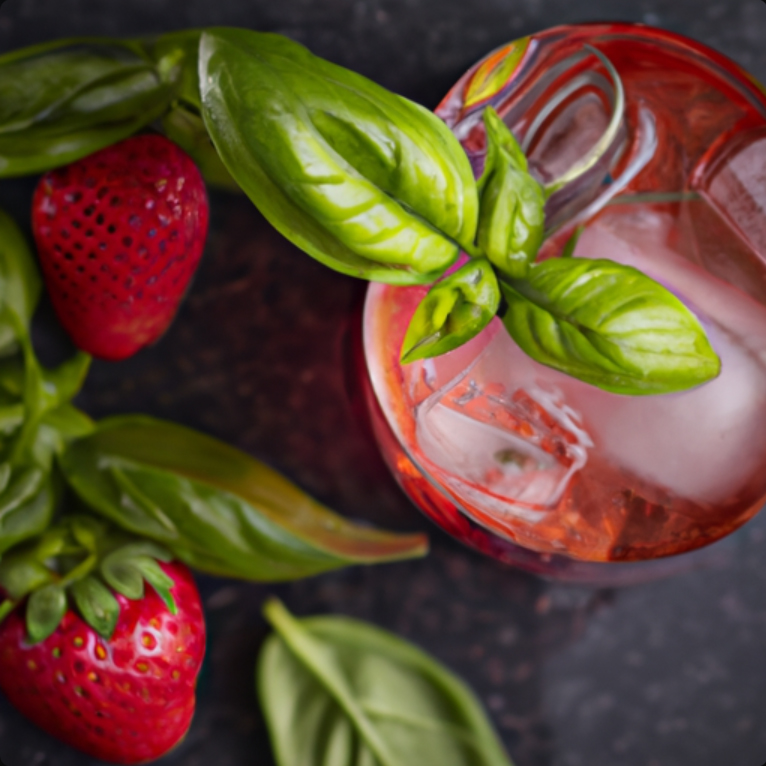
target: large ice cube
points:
(518, 442)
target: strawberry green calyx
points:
(82, 562)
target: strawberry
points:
(119, 235)
(121, 688)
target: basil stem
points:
(64, 100)
(455, 310)
(608, 325)
(177, 58)
(365, 181)
(214, 507)
(341, 692)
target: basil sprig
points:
(64, 100)
(609, 325)
(363, 180)
(338, 691)
(216, 508)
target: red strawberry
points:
(126, 699)
(119, 235)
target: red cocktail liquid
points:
(528, 464)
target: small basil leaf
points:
(228, 514)
(365, 181)
(96, 604)
(61, 101)
(453, 311)
(609, 325)
(45, 609)
(502, 148)
(337, 691)
(512, 208)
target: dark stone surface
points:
(669, 673)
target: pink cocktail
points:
(533, 466)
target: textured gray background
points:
(671, 673)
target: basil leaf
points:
(45, 610)
(96, 604)
(609, 325)
(337, 691)
(512, 207)
(64, 100)
(454, 311)
(363, 180)
(214, 507)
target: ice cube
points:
(516, 444)
(700, 444)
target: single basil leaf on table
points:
(512, 203)
(63, 100)
(608, 325)
(453, 311)
(216, 508)
(338, 691)
(361, 179)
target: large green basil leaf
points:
(512, 207)
(63, 100)
(216, 508)
(337, 691)
(454, 310)
(609, 325)
(365, 181)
